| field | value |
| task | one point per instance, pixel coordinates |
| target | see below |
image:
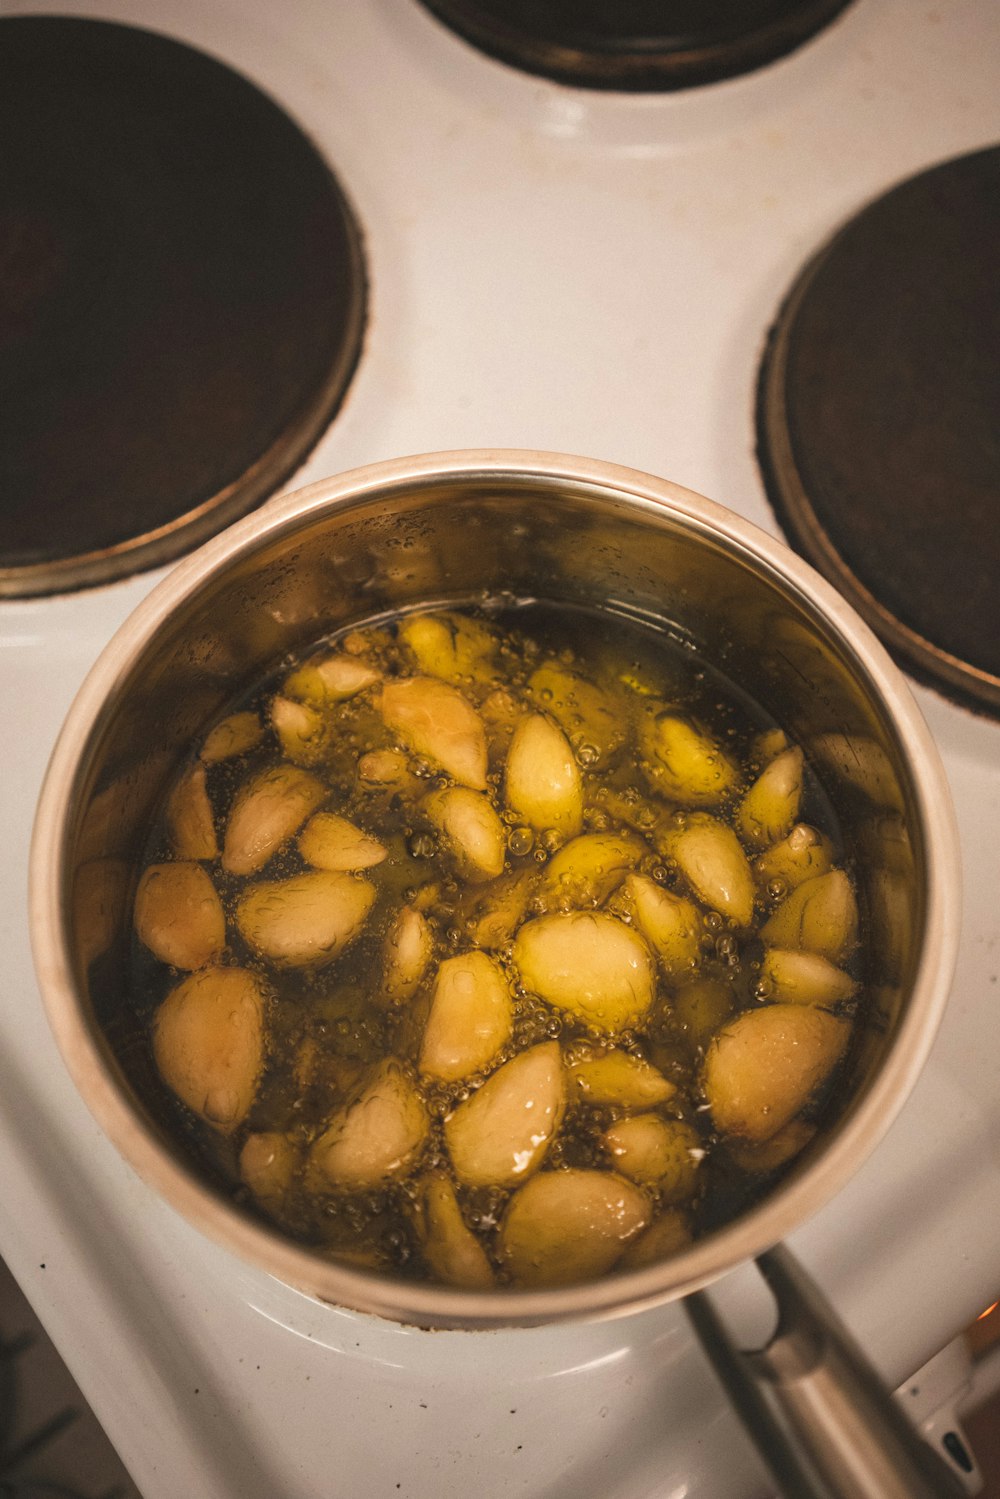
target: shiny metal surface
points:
(454, 526)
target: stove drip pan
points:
(637, 45)
(877, 422)
(182, 300)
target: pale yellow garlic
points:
(331, 842)
(768, 745)
(616, 1077)
(781, 1148)
(178, 915)
(232, 736)
(501, 1133)
(268, 1161)
(388, 770)
(803, 855)
(591, 719)
(266, 812)
(473, 833)
(655, 1152)
(302, 731)
(452, 1251)
(820, 916)
(406, 956)
(683, 762)
(587, 870)
(495, 911)
(670, 923)
(435, 721)
(668, 1234)
(471, 1018)
(589, 964)
(709, 855)
(770, 807)
(454, 647)
(190, 821)
(804, 978)
(543, 786)
(330, 679)
(765, 1065)
(701, 1006)
(566, 1226)
(208, 1043)
(376, 1137)
(304, 921)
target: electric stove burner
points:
(877, 421)
(637, 44)
(182, 300)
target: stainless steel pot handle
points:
(816, 1409)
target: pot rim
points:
(780, 1211)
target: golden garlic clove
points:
(701, 1006)
(566, 1226)
(709, 855)
(671, 924)
(208, 1044)
(661, 1153)
(435, 721)
(589, 717)
(543, 787)
(803, 855)
(777, 1151)
(266, 812)
(616, 1077)
(331, 842)
(388, 770)
(406, 955)
(473, 833)
(303, 732)
(471, 1018)
(670, 1233)
(268, 1162)
(588, 869)
(804, 978)
(233, 736)
(178, 915)
(768, 745)
(497, 909)
(376, 1137)
(589, 964)
(330, 679)
(452, 1251)
(454, 647)
(190, 821)
(769, 809)
(683, 762)
(304, 921)
(820, 916)
(501, 1133)
(765, 1065)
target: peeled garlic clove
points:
(655, 1152)
(471, 829)
(500, 1134)
(267, 811)
(804, 978)
(500, 712)
(471, 1018)
(388, 770)
(331, 842)
(303, 732)
(451, 1249)
(775, 1152)
(618, 1078)
(820, 916)
(330, 679)
(765, 1065)
(670, 1233)
(683, 762)
(588, 716)
(671, 924)
(498, 908)
(208, 1043)
(566, 1226)
(178, 915)
(451, 646)
(803, 855)
(589, 964)
(709, 856)
(701, 1006)
(100, 897)
(375, 1138)
(190, 823)
(543, 786)
(437, 722)
(304, 921)
(268, 1162)
(406, 954)
(771, 806)
(586, 870)
(232, 736)
(767, 746)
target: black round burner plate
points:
(639, 45)
(879, 421)
(182, 299)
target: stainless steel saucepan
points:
(464, 526)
